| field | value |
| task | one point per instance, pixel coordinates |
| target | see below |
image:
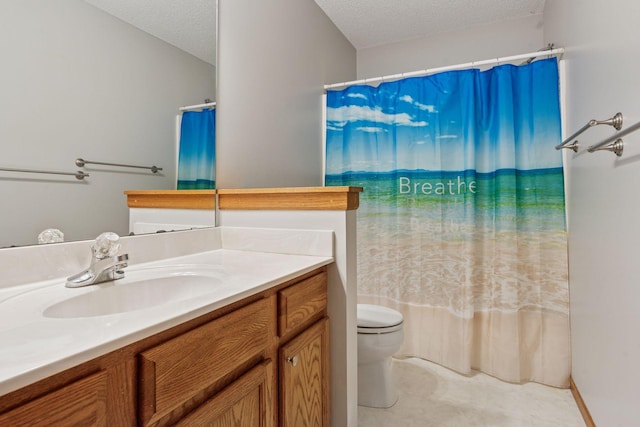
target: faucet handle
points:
(106, 245)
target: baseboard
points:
(581, 405)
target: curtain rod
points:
(550, 52)
(197, 107)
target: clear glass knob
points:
(106, 245)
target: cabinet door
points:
(304, 378)
(247, 402)
(82, 403)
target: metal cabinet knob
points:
(293, 360)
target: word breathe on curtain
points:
(196, 158)
(461, 224)
(406, 186)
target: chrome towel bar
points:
(82, 162)
(79, 175)
(572, 143)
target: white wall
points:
(602, 41)
(506, 38)
(77, 82)
(274, 58)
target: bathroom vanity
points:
(153, 360)
(255, 348)
(213, 370)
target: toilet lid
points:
(377, 316)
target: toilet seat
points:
(375, 319)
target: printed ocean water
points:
(506, 199)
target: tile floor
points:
(430, 395)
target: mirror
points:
(79, 82)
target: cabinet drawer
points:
(83, 402)
(173, 373)
(302, 303)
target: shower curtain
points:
(461, 225)
(196, 157)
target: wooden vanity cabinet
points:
(262, 361)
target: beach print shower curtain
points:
(461, 224)
(196, 156)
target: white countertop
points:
(34, 345)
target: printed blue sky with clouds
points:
(504, 118)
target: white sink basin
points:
(138, 290)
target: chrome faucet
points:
(105, 264)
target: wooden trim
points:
(292, 198)
(171, 199)
(581, 405)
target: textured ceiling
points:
(368, 23)
(187, 24)
(191, 24)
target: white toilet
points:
(380, 336)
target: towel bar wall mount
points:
(616, 147)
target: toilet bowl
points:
(380, 335)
